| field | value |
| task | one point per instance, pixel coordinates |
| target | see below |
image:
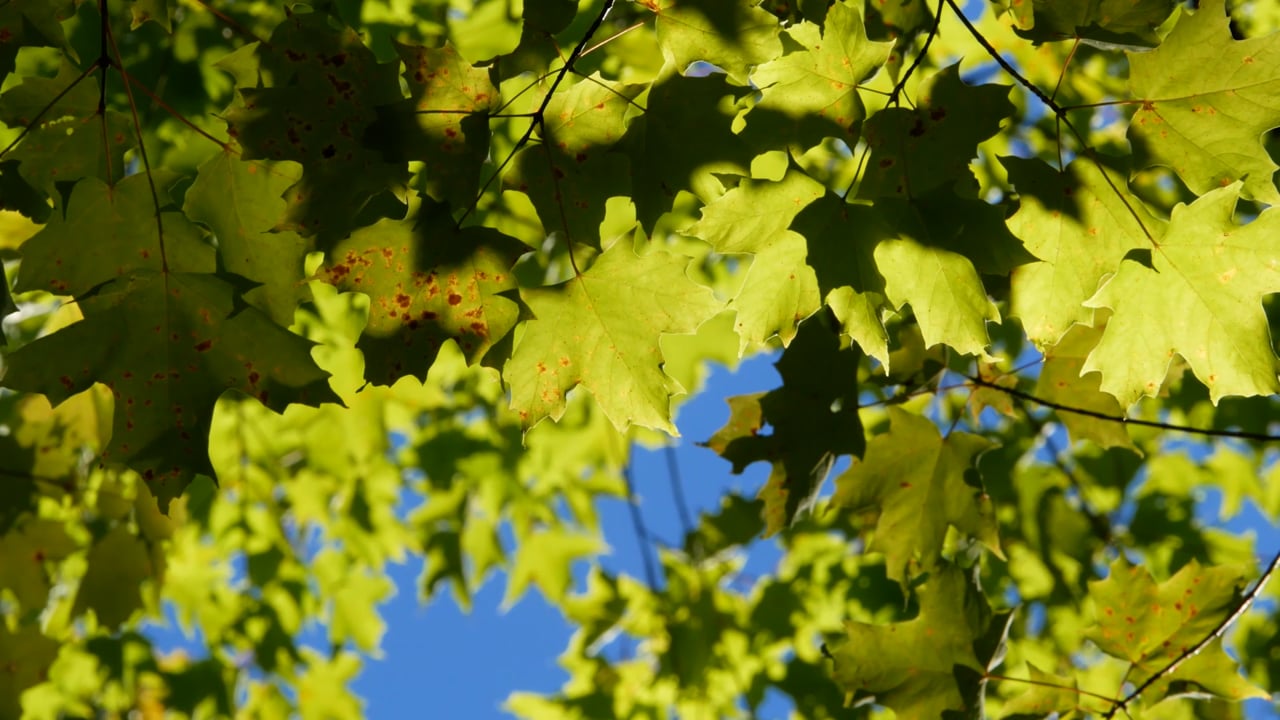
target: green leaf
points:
(329, 85)
(31, 23)
(914, 151)
(1150, 624)
(920, 483)
(1045, 694)
(545, 558)
(942, 286)
(1106, 22)
(1200, 298)
(443, 123)
(911, 667)
(842, 239)
(104, 233)
(1080, 228)
(600, 329)
(1208, 126)
(572, 172)
(144, 11)
(241, 203)
(814, 419)
(26, 654)
(168, 345)
(112, 587)
(427, 283)
(733, 35)
(1063, 380)
(681, 142)
(32, 546)
(812, 94)
(780, 290)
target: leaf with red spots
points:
(427, 283)
(814, 419)
(925, 666)
(812, 94)
(601, 330)
(1150, 625)
(443, 123)
(920, 484)
(107, 232)
(573, 170)
(1208, 126)
(168, 345)
(327, 86)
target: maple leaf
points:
(1200, 297)
(67, 138)
(573, 171)
(1045, 694)
(1079, 229)
(810, 95)
(911, 666)
(241, 203)
(914, 151)
(1152, 624)
(31, 23)
(427, 282)
(1208, 126)
(813, 418)
(168, 345)
(1063, 380)
(144, 11)
(1106, 23)
(96, 238)
(842, 238)
(683, 138)
(328, 86)
(601, 329)
(443, 123)
(779, 290)
(920, 483)
(733, 35)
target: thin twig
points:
(1245, 601)
(142, 145)
(924, 50)
(643, 539)
(537, 120)
(1052, 105)
(1122, 419)
(35, 121)
(677, 490)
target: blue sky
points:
(465, 665)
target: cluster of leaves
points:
(274, 265)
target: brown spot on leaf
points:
(204, 346)
(454, 298)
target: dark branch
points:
(1207, 432)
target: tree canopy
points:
(295, 290)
